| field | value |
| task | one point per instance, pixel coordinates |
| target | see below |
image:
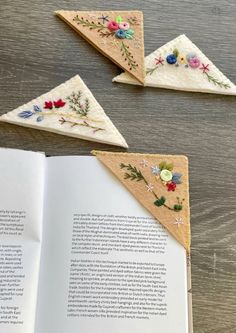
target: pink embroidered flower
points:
(48, 105)
(194, 62)
(124, 26)
(112, 25)
(171, 186)
(59, 103)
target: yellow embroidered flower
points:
(182, 59)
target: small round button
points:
(166, 175)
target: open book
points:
(78, 253)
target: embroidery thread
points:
(189, 61)
(133, 174)
(116, 29)
(78, 117)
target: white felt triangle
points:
(69, 109)
(190, 70)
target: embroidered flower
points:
(37, 108)
(120, 34)
(119, 19)
(155, 170)
(171, 59)
(124, 26)
(178, 221)
(160, 61)
(171, 186)
(129, 34)
(59, 103)
(194, 62)
(25, 114)
(144, 163)
(181, 59)
(176, 178)
(204, 68)
(149, 187)
(112, 25)
(166, 175)
(191, 55)
(48, 105)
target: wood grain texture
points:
(38, 52)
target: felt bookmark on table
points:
(181, 65)
(116, 34)
(69, 109)
(160, 183)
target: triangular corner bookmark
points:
(69, 109)
(116, 34)
(160, 183)
(181, 65)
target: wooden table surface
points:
(38, 52)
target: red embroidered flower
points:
(113, 26)
(48, 105)
(171, 186)
(59, 103)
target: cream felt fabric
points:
(181, 75)
(69, 109)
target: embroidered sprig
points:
(83, 124)
(90, 24)
(117, 29)
(128, 56)
(133, 174)
(192, 61)
(216, 82)
(78, 117)
(76, 104)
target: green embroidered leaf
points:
(170, 166)
(176, 52)
(162, 165)
(178, 208)
(160, 202)
(134, 174)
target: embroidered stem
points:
(86, 23)
(84, 124)
(128, 56)
(151, 70)
(107, 34)
(135, 174)
(217, 82)
(69, 115)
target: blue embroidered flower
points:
(25, 114)
(171, 59)
(37, 108)
(155, 170)
(40, 118)
(176, 178)
(120, 34)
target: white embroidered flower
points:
(178, 221)
(155, 170)
(149, 187)
(144, 163)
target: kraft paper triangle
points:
(160, 183)
(181, 65)
(69, 109)
(116, 34)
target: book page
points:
(107, 265)
(21, 208)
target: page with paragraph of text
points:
(21, 212)
(106, 264)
